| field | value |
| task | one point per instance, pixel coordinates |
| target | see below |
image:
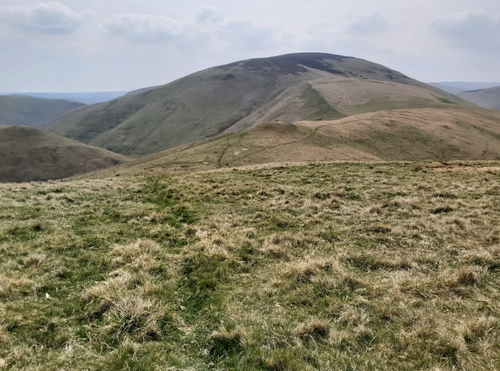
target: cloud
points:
(208, 14)
(46, 18)
(244, 35)
(143, 27)
(470, 30)
(372, 23)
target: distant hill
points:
(28, 154)
(392, 135)
(446, 88)
(29, 111)
(466, 85)
(487, 98)
(457, 87)
(85, 98)
(241, 95)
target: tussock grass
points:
(339, 266)
(315, 329)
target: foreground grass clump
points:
(332, 266)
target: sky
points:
(121, 45)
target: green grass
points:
(333, 266)
(207, 103)
(315, 107)
(30, 111)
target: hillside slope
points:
(446, 88)
(30, 111)
(406, 134)
(28, 154)
(487, 98)
(307, 86)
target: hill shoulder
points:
(30, 111)
(28, 154)
(391, 135)
(487, 98)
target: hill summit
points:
(241, 95)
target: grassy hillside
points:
(450, 89)
(28, 154)
(465, 85)
(320, 267)
(487, 98)
(394, 135)
(309, 86)
(85, 98)
(29, 111)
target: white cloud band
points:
(47, 18)
(143, 27)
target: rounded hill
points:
(30, 111)
(28, 154)
(240, 95)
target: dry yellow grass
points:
(391, 135)
(326, 266)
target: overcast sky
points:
(105, 45)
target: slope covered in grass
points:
(339, 266)
(30, 111)
(393, 135)
(28, 154)
(237, 96)
(487, 98)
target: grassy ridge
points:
(28, 154)
(340, 266)
(29, 111)
(393, 135)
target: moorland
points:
(301, 212)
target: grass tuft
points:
(313, 329)
(135, 317)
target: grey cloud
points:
(372, 23)
(469, 30)
(47, 18)
(147, 29)
(244, 35)
(208, 14)
(143, 27)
